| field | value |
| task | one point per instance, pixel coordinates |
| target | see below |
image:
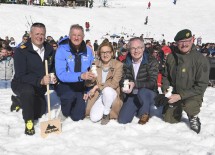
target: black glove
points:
(161, 100)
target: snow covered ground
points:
(85, 137)
(121, 16)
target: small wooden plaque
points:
(49, 127)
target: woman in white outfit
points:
(104, 100)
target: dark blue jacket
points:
(29, 68)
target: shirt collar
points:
(139, 61)
(37, 48)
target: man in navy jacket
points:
(29, 82)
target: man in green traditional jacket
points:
(187, 71)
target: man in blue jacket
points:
(72, 62)
(29, 82)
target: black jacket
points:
(147, 73)
(29, 68)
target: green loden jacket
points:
(187, 73)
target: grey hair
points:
(134, 39)
(76, 26)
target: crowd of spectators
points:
(73, 3)
(154, 48)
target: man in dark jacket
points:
(187, 71)
(141, 70)
(30, 80)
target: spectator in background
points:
(142, 36)
(198, 48)
(91, 3)
(166, 51)
(49, 38)
(54, 45)
(146, 20)
(12, 42)
(104, 3)
(10, 51)
(199, 41)
(156, 54)
(161, 58)
(205, 49)
(149, 5)
(211, 49)
(28, 2)
(7, 40)
(4, 44)
(95, 45)
(123, 54)
(148, 46)
(6, 65)
(88, 43)
(173, 46)
(87, 26)
(121, 42)
(25, 38)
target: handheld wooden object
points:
(50, 126)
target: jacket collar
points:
(111, 64)
(110, 73)
(82, 49)
(46, 45)
(144, 58)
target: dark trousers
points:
(138, 104)
(72, 102)
(191, 106)
(33, 102)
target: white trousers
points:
(103, 104)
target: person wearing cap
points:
(166, 50)
(187, 71)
